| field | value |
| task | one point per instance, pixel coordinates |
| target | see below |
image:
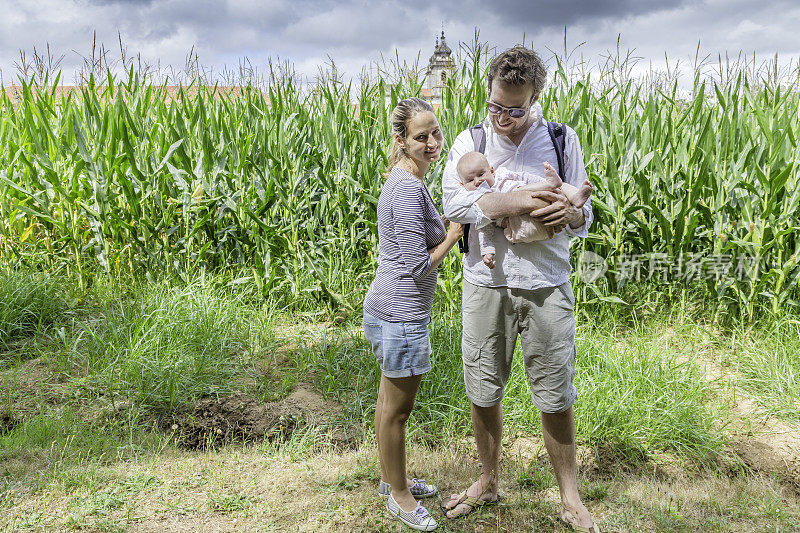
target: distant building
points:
(440, 68)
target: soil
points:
(239, 417)
(773, 457)
(33, 384)
(6, 421)
(211, 421)
(763, 442)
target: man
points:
(527, 293)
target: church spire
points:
(440, 67)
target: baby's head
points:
(473, 169)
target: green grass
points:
(635, 398)
(536, 477)
(767, 362)
(31, 302)
(41, 449)
(167, 346)
(162, 344)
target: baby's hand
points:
(488, 260)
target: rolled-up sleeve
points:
(460, 205)
(575, 175)
(409, 229)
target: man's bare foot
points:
(551, 176)
(486, 493)
(577, 515)
(582, 195)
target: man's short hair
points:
(518, 66)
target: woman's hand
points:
(455, 230)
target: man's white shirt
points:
(522, 265)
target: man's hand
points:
(488, 260)
(560, 212)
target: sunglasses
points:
(513, 112)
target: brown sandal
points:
(473, 503)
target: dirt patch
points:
(777, 457)
(29, 375)
(240, 417)
(31, 385)
(763, 442)
(7, 423)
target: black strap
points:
(478, 137)
(557, 132)
(479, 141)
(557, 135)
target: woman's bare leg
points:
(378, 411)
(398, 401)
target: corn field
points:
(279, 187)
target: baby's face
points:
(475, 173)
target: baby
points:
(474, 171)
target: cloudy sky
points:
(356, 34)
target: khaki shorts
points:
(492, 317)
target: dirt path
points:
(764, 442)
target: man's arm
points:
(479, 207)
(508, 204)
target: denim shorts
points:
(402, 349)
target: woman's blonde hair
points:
(401, 114)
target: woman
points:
(411, 244)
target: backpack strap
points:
(479, 141)
(558, 135)
(478, 137)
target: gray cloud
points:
(357, 33)
(560, 14)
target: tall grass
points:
(634, 398)
(166, 347)
(281, 185)
(768, 363)
(30, 301)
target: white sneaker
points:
(419, 489)
(418, 519)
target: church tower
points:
(440, 68)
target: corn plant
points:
(279, 186)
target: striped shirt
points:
(408, 226)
